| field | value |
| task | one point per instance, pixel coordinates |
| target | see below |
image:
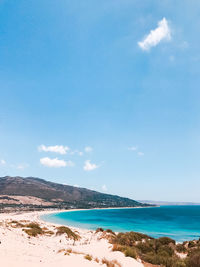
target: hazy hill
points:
(169, 203)
(30, 192)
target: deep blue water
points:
(178, 222)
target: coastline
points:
(80, 221)
(74, 210)
(70, 210)
(20, 250)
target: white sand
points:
(19, 250)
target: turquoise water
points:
(178, 222)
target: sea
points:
(178, 222)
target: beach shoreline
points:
(42, 213)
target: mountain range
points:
(35, 193)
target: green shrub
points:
(161, 251)
(145, 247)
(99, 230)
(130, 252)
(166, 240)
(159, 259)
(110, 232)
(193, 259)
(181, 248)
(179, 263)
(129, 239)
(164, 259)
(191, 244)
(166, 250)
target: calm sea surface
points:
(178, 222)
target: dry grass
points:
(97, 260)
(33, 230)
(66, 230)
(113, 263)
(69, 251)
(88, 257)
(49, 233)
(45, 229)
(16, 224)
(33, 225)
(61, 250)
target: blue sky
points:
(102, 94)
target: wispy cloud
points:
(2, 162)
(184, 45)
(88, 166)
(76, 152)
(162, 32)
(133, 148)
(55, 163)
(56, 149)
(104, 188)
(88, 149)
(22, 166)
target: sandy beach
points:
(18, 249)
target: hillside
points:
(34, 193)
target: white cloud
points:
(135, 149)
(57, 149)
(2, 162)
(80, 153)
(89, 166)
(56, 163)
(104, 188)
(132, 148)
(22, 166)
(88, 149)
(162, 32)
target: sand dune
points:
(17, 249)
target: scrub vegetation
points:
(162, 251)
